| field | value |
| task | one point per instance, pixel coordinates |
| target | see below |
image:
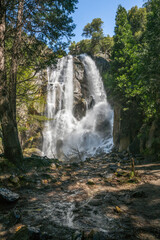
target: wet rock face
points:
(81, 92)
(80, 89)
(102, 63)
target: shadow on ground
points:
(85, 200)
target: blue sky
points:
(104, 9)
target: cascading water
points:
(95, 83)
(66, 137)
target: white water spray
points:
(64, 136)
(95, 83)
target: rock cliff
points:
(80, 88)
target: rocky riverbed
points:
(102, 198)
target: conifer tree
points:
(150, 67)
(123, 55)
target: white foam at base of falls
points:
(64, 136)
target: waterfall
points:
(64, 136)
(96, 87)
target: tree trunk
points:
(15, 59)
(3, 100)
(11, 144)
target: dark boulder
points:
(8, 196)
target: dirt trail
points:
(97, 199)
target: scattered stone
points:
(94, 234)
(109, 176)
(113, 155)
(27, 233)
(87, 208)
(94, 206)
(77, 235)
(54, 180)
(90, 182)
(53, 166)
(16, 214)
(14, 217)
(95, 202)
(14, 179)
(139, 194)
(121, 155)
(113, 167)
(8, 196)
(101, 175)
(91, 234)
(74, 164)
(124, 152)
(46, 176)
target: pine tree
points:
(123, 56)
(151, 61)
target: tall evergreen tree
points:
(124, 55)
(151, 61)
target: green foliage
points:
(93, 29)
(124, 58)
(106, 44)
(98, 42)
(83, 46)
(138, 19)
(134, 78)
(39, 118)
(45, 25)
(47, 28)
(150, 68)
(135, 68)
